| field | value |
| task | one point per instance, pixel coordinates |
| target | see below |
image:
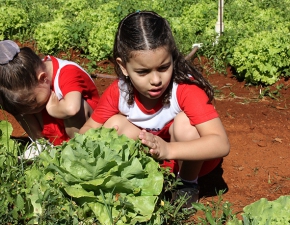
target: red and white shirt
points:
(67, 76)
(188, 98)
(185, 97)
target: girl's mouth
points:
(155, 93)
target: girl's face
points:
(42, 93)
(150, 72)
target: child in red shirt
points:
(163, 100)
(51, 98)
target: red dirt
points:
(258, 130)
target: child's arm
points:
(88, 125)
(65, 108)
(213, 143)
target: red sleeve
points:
(72, 78)
(193, 101)
(108, 104)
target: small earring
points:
(127, 77)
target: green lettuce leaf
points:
(110, 174)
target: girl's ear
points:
(122, 66)
(42, 77)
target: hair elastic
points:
(8, 50)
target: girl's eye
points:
(142, 73)
(163, 68)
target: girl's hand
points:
(52, 103)
(158, 148)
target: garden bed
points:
(257, 121)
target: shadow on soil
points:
(212, 183)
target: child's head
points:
(18, 77)
(146, 31)
(139, 32)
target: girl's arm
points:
(213, 143)
(107, 108)
(65, 108)
(88, 125)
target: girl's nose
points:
(155, 79)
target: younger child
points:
(51, 98)
(163, 100)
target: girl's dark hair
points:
(18, 79)
(146, 30)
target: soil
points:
(257, 121)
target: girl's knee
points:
(123, 126)
(116, 120)
(182, 130)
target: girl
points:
(163, 100)
(50, 98)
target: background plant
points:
(254, 42)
